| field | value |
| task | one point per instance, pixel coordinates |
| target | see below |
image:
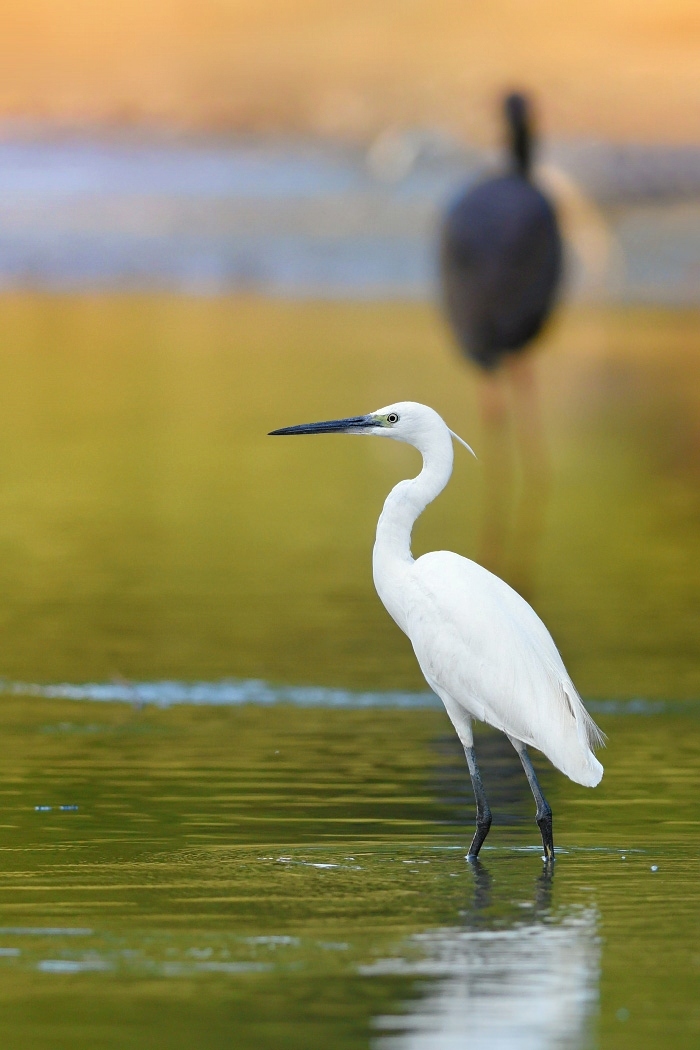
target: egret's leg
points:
(462, 722)
(544, 810)
(483, 811)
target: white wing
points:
(480, 643)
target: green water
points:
(289, 876)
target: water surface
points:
(231, 815)
(264, 876)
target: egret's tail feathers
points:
(588, 731)
(595, 737)
(592, 774)
(594, 734)
(581, 766)
(579, 763)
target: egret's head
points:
(405, 421)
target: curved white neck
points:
(407, 500)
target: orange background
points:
(620, 69)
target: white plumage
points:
(481, 647)
(495, 659)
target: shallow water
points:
(223, 860)
(290, 876)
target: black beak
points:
(330, 426)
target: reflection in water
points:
(532, 985)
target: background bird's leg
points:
(496, 454)
(483, 811)
(544, 810)
(534, 468)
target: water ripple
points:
(229, 692)
(234, 692)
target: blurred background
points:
(223, 217)
(218, 218)
(303, 148)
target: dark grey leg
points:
(544, 810)
(483, 813)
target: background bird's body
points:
(501, 262)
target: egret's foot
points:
(483, 824)
(544, 823)
(483, 811)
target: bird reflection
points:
(482, 891)
(476, 914)
(501, 266)
(530, 983)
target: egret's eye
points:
(392, 418)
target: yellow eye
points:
(392, 418)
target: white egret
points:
(481, 647)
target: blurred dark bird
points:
(501, 254)
(501, 265)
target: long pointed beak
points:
(355, 424)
